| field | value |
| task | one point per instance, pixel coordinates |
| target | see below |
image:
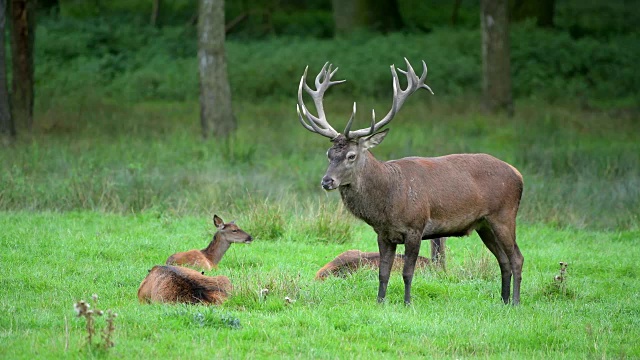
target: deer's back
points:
(452, 192)
(180, 284)
(352, 260)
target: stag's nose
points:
(328, 183)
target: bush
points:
(135, 63)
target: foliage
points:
(581, 167)
(454, 314)
(131, 62)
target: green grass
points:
(51, 260)
(581, 167)
(101, 192)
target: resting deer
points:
(166, 283)
(352, 260)
(209, 257)
(418, 198)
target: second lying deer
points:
(352, 260)
(208, 258)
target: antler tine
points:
(399, 97)
(348, 127)
(424, 77)
(317, 124)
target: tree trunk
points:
(496, 70)
(456, 11)
(376, 15)
(7, 128)
(155, 10)
(23, 26)
(541, 10)
(216, 114)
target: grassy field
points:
(101, 192)
(51, 260)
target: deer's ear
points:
(217, 221)
(373, 140)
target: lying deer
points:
(166, 283)
(412, 199)
(209, 257)
(352, 260)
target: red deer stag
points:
(417, 198)
(209, 257)
(352, 260)
(166, 283)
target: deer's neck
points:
(368, 196)
(216, 249)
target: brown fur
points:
(352, 260)
(412, 199)
(175, 284)
(208, 258)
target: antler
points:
(320, 125)
(317, 124)
(399, 96)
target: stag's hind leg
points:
(504, 237)
(490, 240)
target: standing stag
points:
(415, 198)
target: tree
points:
(7, 128)
(155, 10)
(496, 69)
(216, 114)
(23, 35)
(540, 10)
(378, 15)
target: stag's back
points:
(179, 284)
(454, 191)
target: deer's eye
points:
(351, 157)
(234, 231)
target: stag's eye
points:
(234, 231)
(351, 157)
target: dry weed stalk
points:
(83, 309)
(562, 277)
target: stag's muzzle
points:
(328, 183)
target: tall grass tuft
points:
(264, 218)
(328, 222)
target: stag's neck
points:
(367, 197)
(216, 249)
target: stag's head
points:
(349, 150)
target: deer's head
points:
(348, 153)
(230, 232)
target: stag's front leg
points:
(411, 251)
(387, 255)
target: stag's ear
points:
(373, 140)
(217, 221)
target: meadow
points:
(115, 177)
(89, 206)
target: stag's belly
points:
(435, 229)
